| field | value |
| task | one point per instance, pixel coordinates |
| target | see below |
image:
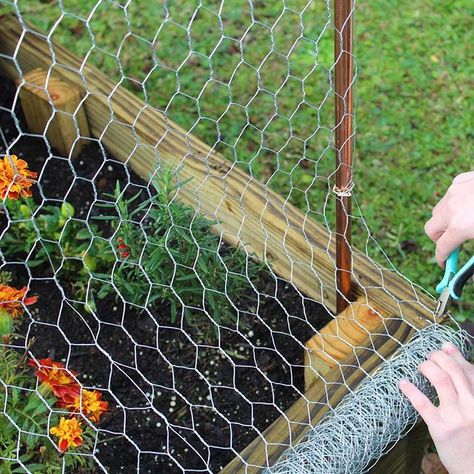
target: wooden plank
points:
(249, 214)
(289, 428)
(53, 107)
(349, 329)
(406, 456)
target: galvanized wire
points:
(342, 443)
(368, 421)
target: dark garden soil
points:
(178, 403)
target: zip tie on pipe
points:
(344, 191)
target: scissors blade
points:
(443, 303)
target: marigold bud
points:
(67, 210)
(6, 323)
(90, 262)
(90, 306)
(25, 211)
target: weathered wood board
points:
(55, 111)
(335, 341)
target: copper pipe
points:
(344, 77)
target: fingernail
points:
(448, 345)
(431, 354)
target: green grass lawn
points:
(268, 104)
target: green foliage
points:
(24, 423)
(172, 256)
(5, 278)
(51, 235)
(414, 126)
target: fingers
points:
(455, 353)
(454, 370)
(440, 380)
(466, 366)
(448, 227)
(447, 238)
(435, 227)
(463, 177)
(440, 207)
(421, 403)
(446, 243)
(439, 221)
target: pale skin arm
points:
(451, 423)
(453, 217)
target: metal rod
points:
(344, 146)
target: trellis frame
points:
(249, 214)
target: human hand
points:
(453, 217)
(451, 424)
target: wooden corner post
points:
(52, 106)
(344, 78)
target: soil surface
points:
(178, 403)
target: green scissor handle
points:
(453, 279)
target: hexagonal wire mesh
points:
(175, 253)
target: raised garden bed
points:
(250, 215)
(174, 392)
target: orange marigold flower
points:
(69, 432)
(90, 404)
(15, 178)
(57, 378)
(11, 300)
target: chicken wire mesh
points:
(158, 334)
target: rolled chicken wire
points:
(367, 421)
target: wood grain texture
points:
(53, 107)
(335, 341)
(249, 214)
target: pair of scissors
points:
(451, 286)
